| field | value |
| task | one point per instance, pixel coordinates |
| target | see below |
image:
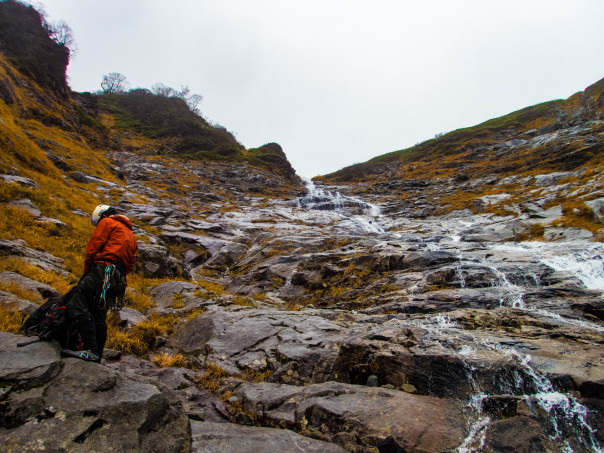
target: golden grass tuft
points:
(243, 301)
(177, 302)
(137, 300)
(210, 379)
(20, 292)
(165, 360)
(194, 313)
(211, 287)
(140, 339)
(10, 319)
(257, 376)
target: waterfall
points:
(360, 212)
(565, 418)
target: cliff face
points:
(440, 303)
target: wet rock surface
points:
(363, 324)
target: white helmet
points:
(98, 212)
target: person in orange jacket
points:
(110, 256)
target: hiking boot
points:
(84, 355)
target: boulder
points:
(208, 243)
(299, 347)
(72, 405)
(567, 234)
(551, 179)
(128, 317)
(43, 260)
(154, 261)
(359, 416)
(226, 256)
(22, 181)
(27, 205)
(8, 300)
(597, 207)
(177, 296)
(89, 179)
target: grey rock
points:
(154, 261)
(89, 179)
(263, 339)
(211, 437)
(28, 284)
(226, 256)
(73, 405)
(380, 417)
(37, 258)
(177, 296)
(597, 207)
(551, 179)
(55, 222)
(129, 317)
(22, 181)
(27, 205)
(567, 234)
(147, 212)
(211, 244)
(8, 300)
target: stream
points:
(525, 276)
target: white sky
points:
(336, 82)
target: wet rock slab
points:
(264, 339)
(211, 437)
(358, 416)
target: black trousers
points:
(88, 313)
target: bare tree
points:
(113, 83)
(193, 101)
(162, 90)
(183, 93)
(62, 34)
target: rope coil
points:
(119, 301)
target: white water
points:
(320, 198)
(584, 261)
(566, 417)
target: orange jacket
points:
(112, 240)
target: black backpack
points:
(50, 322)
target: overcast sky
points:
(337, 82)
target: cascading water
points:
(512, 272)
(348, 207)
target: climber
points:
(110, 255)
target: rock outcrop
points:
(55, 404)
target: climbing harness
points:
(119, 301)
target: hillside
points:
(515, 144)
(437, 301)
(498, 157)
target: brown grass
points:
(165, 360)
(210, 379)
(10, 319)
(20, 292)
(59, 282)
(140, 339)
(257, 376)
(211, 287)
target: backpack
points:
(50, 322)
